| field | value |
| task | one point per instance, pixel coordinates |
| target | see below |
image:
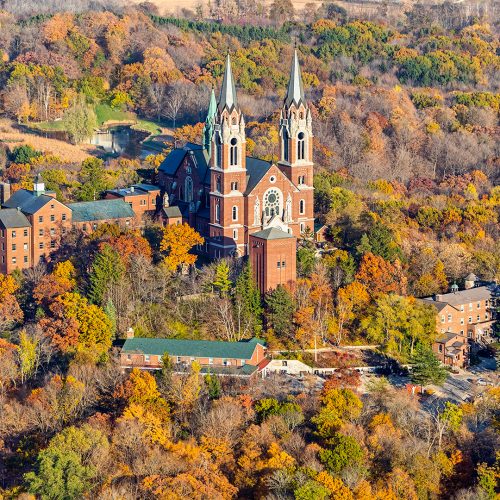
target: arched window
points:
(217, 212)
(285, 145)
(218, 151)
(235, 213)
(301, 146)
(302, 207)
(233, 152)
(188, 183)
(217, 184)
(272, 202)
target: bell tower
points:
(296, 132)
(228, 176)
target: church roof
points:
(256, 169)
(227, 97)
(295, 91)
(272, 233)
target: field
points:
(68, 152)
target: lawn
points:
(106, 113)
(148, 126)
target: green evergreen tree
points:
(93, 178)
(247, 297)
(213, 386)
(426, 368)
(80, 121)
(280, 309)
(107, 269)
(110, 311)
(306, 257)
(67, 468)
(345, 451)
(221, 282)
(364, 246)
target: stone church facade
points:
(245, 206)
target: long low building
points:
(241, 358)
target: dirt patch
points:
(67, 152)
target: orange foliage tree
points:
(177, 241)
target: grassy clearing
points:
(148, 126)
(106, 113)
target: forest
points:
(407, 169)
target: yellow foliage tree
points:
(177, 241)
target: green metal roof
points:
(87, 211)
(194, 348)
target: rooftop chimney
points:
(4, 192)
(131, 189)
(130, 333)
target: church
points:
(245, 206)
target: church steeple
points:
(296, 131)
(227, 99)
(208, 128)
(295, 91)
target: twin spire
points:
(227, 99)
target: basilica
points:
(245, 206)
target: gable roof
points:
(171, 163)
(28, 201)
(172, 212)
(87, 211)
(256, 169)
(12, 217)
(272, 233)
(438, 305)
(194, 348)
(462, 296)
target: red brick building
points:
(225, 358)
(228, 196)
(143, 198)
(452, 350)
(469, 313)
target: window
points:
(302, 227)
(233, 152)
(217, 212)
(52, 231)
(52, 244)
(94, 226)
(52, 206)
(41, 245)
(143, 202)
(25, 232)
(478, 318)
(63, 217)
(153, 202)
(40, 218)
(13, 246)
(442, 318)
(479, 305)
(84, 227)
(235, 213)
(25, 259)
(470, 306)
(52, 218)
(13, 234)
(301, 146)
(25, 246)
(272, 202)
(285, 145)
(235, 234)
(470, 319)
(40, 232)
(178, 359)
(449, 318)
(302, 207)
(218, 184)
(242, 362)
(234, 186)
(218, 151)
(129, 357)
(146, 358)
(461, 332)
(188, 185)
(278, 264)
(226, 362)
(469, 334)
(302, 179)
(440, 347)
(462, 321)
(14, 260)
(462, 307)
(486, 316)
(283, 263)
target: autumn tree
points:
(379, 275)
(176, 243)
(107, 269)
(10, 312)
